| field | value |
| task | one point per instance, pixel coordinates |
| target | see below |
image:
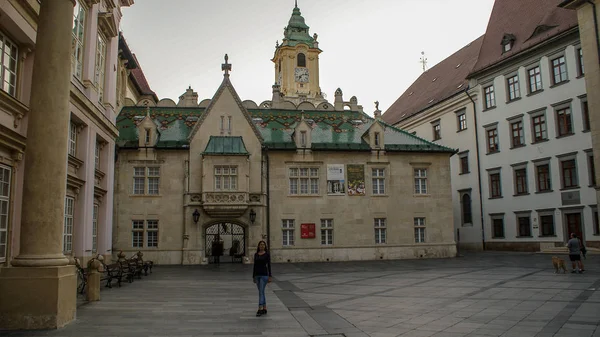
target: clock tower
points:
(297, 62)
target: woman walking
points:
(262, 275)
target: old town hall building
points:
(203, 182)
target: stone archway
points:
(225, 242)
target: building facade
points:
(202, 182)
(587, 15)
(92, 130)
(535, 153)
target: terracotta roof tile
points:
(140, 80)
(522, 18)
(442, 81)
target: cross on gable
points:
(226, 67)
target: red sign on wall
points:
(307, 230)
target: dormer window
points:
(301, 60)
(147, 136)
(377, 140)
(507, 42)
(303, 138)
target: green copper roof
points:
(331, 130)
(223, 145)
(297, 31)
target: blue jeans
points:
(261, 284)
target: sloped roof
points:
(330, 130)
(139, 79)
(225, 145)
(530, 21)
(442, 81)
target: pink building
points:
(99, 74)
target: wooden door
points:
(574, 225)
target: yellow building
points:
(202, 182)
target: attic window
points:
(410, 94)
(435, 79)
(303, 138)
(356, 121)
(147, 136)
(458, 65)
(377, 139)
(257, 120)
(507, 42)
(191, 119)
(460, 86)
(431, 101)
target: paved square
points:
(483, 294)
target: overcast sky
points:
(371, 49)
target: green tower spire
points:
(297, 31)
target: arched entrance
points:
(225, 243)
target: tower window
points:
(301, 60)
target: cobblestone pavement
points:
(483, 294)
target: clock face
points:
(301, 75)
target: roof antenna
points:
(423, 61)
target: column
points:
(38, 292)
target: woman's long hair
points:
(258, 246)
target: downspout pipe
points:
(596, 29)
(478, 166)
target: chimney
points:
(188, 99)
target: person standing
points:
(574, 246)
(261, 275)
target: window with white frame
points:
(378, 176)
(521, 182)
(462, 120)
(5, 180)
(568, 170)
(495, 184)
(68, 225)
(542, 176)
(79, 17)
(514, 91)
(419, 230)
(535, 79)
(490, 97)
(72, 139)
(564, 122)
(539, 127)
(137, 233)
(99, 77)
(437, 130)
(380, 230)
(95, 229)
(420, 181)
(517, 133)
(152, 233)
(327, 232)
(493, 143)
(146, 180)
(8, 65)
(287, 230)
(304, 180)
(559, 70)
(226, 178)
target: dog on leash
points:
(559, 264)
